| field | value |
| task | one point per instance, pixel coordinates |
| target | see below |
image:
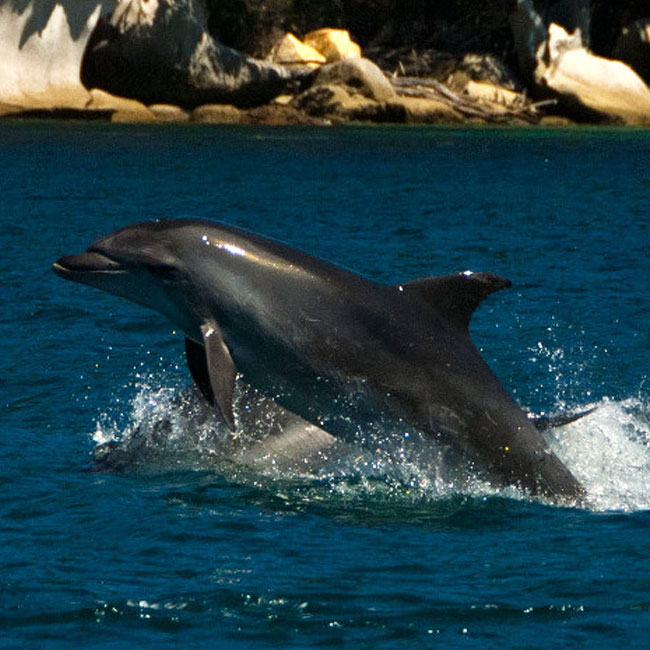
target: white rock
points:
(41, 51)
(608, 87)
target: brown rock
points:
(292, 51)
(216, 114)
(333, 44)
(336, 103)
(322, 100)
(278, 115)
(169, 113)
(130, 117)
(426, 111)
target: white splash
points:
(167, 428)
(609, 452)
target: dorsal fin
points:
(456, 296)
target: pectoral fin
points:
(213, 370)
(198, 365)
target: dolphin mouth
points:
(92, 261)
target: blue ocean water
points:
(177, 550)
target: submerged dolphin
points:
(316, 337)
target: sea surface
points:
(170, 548)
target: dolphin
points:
(328, 345)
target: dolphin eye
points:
(164, 271)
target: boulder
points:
(292, 51)
(421, 110)
(360, 76)
(160, 52)
(41, 48)
(216, 114)
(129, 117)
(337, 105)
(278, 115)
(333, 44)
(324, 99)
(633, 47)
(607, 88)
(169, 113)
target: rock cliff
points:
(161, 51)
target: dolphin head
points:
(189, 270)
(146, 263)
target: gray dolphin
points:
(327, 344)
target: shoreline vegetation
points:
(548, 62)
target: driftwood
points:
(432, 89)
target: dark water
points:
(376, 552)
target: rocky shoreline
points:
(155, 61)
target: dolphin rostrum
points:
(319, 339)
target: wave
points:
(172, 429)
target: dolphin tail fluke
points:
(545, 422)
